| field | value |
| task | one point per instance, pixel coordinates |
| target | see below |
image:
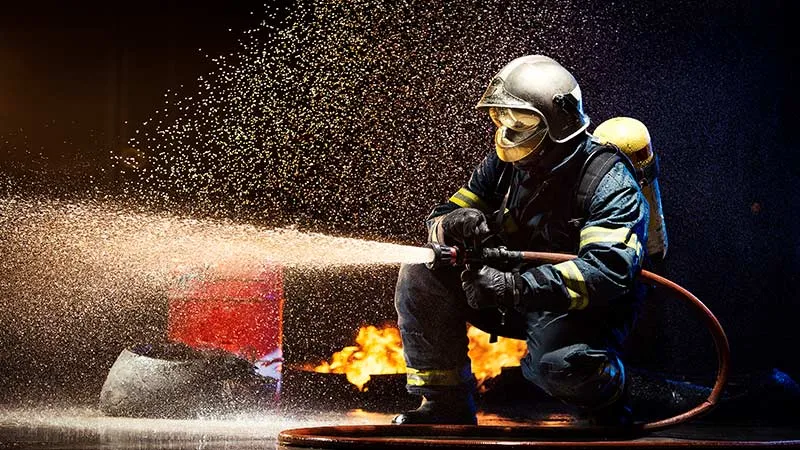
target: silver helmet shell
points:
(540, 84)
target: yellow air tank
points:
(632, 137)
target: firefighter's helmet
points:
(531, 98)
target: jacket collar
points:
(553, 159)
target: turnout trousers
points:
(572, 356)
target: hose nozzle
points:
(452, 256)
(443, 256)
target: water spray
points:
(86, 272)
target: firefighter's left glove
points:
(464, 226)
(489, 287)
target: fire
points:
(379, 351)
(489, 359)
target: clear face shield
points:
(519, 132)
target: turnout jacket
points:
(536, 209)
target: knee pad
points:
(582, 376)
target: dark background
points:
(715, 83)
(79, 78)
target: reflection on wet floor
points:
(87, 428)
(83, 427)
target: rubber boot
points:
(441, 409)
(617, 414)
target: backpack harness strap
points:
(596, 166)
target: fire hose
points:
(466, 436)
(451, 256)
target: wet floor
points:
(84, 427)
(88, 428)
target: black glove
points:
(464, 225)
(490, 287)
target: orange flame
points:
(489, 359)
(377, 352)
(380, 351)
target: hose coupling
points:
(443, 256)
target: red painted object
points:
(239, 313)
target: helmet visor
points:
(515, 119)
(519, 132)
(513, 146)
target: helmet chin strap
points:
(551, 157)
(542, 149)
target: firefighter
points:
(548, 185)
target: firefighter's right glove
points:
(490, 287)
(464, 226)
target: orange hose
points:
(718, 334)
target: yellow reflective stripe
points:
(467, 199)
(594, 235)
(460, 202)
(450, 377)
(470, 195)
(575, 284)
